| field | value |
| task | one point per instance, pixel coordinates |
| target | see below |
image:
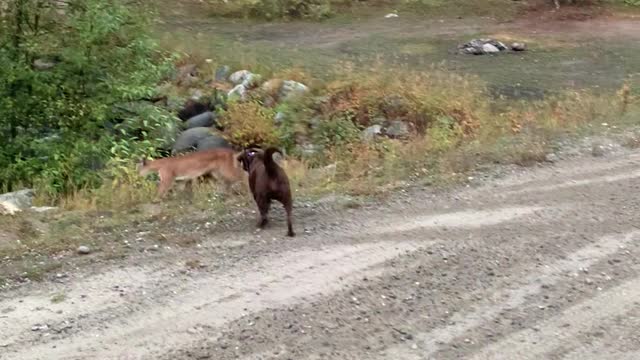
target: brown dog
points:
(218, 163)
(268, 182)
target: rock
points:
(473, 51)
(598, 150)
(391, 15)
(212, 142)
(251, 81)
(501, 46)
(42, 209)
(291, 89)
(13, 202)
(206, 119)
(84, 250)
(371, 132)
(222, 73)
(517, 46)
(237, 93)
(551, 158)
(196, 94)
(490, 49)
(8, 209)
(397, 129)
(42, 64)
(239, 76)
(279, 117)
(188, 139)
(39, 327)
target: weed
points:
(58, 298)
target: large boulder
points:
(212, 141)
(239, 76)
(518, 46)
(206, 119)
(482, 46)
(397, 129)
(490, 49)
(188, 139)
(13, 202)
(237, 93)
(370, 133)
(291, 89)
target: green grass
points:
(554, 63)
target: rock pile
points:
(489, 46)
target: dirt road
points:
(544, 264)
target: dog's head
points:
(247, 156)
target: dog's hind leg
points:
(263, 206)
(288, 208)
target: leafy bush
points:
(272, 9)
(249, 123)
(55, 120)
(336, 132)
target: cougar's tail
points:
(269, 164)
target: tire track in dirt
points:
(164, 326)
(533, 344)
(163, 310)
(486, 311)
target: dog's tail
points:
(269, 164)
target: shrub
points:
(272, 9)
(249, 123)
(55, 122)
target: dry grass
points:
(453, 131)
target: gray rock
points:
(42, 209)
(222, 73)
(472, 51)
(206, 119)
(42, 64)
(239, 76)
(598, 150)
(196, 94)
(212, 142)
(188, 139)
(517, 46)
(291, 89)
(237, 93)
(551, 158)
(251, 81)
(21, 199)
(490, 49)
(279, 117)
(397, 129)
(84, 250)
(371, 132)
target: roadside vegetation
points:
(86, 90)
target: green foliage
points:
(272, 9)
(336, 132)
(632, 2)
(55, 120)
